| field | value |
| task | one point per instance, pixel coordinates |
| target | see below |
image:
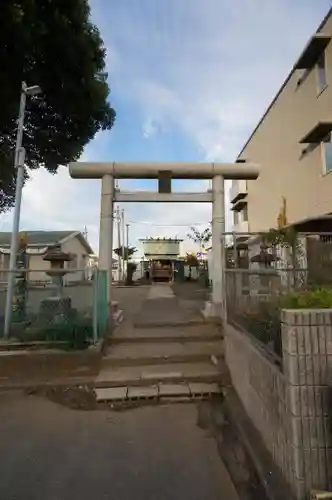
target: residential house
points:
(292, 143)
(72, 242)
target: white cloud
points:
(210, 69)
(150, 127)
(206, 68)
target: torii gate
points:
(165, 172)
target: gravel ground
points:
(51, 452)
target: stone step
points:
(157, 392)
(163, 323)
(197, 334)
(165, 373)
(158, 353)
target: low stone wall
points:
(40, 366)
(289, 408)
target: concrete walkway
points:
(160, 291)
(162, 308)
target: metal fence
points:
(261, 273)
(54, 308)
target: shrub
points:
(263, 320)
(315, 298)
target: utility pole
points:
(119, 241)
(127, 238)
(123, 242)
(19, 160)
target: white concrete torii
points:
(218, 172)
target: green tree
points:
(53, 44)
(128, 252)
(201, 238)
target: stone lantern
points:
(58, 307)
(57, 259)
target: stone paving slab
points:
(111, 394)
(148, 391)
(162, 390)
(174, 390)
(203, 388)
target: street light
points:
(19, 165)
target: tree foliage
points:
(53, 44)
(128, 252)
(201, 238)
(191, 260)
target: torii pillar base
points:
(212, 311)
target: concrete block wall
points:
(307, 363)
(290, 408)
(262, 389)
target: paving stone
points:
(111, 394)
(148, 391)
(173, 390)
(203, 388)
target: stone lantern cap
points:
(55, 254)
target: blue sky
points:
(189, 80)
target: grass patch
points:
(75, 336)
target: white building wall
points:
(161, 247)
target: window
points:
(245, 213)
(321, 73)
(327, 150)
(236, 218)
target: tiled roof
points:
(37, 238)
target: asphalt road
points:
(50, 452)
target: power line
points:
(188, 224)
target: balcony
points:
(315, 47)
(317, 134)
(239, 190)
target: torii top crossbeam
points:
(143, 170)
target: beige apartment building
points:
(293, 145)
